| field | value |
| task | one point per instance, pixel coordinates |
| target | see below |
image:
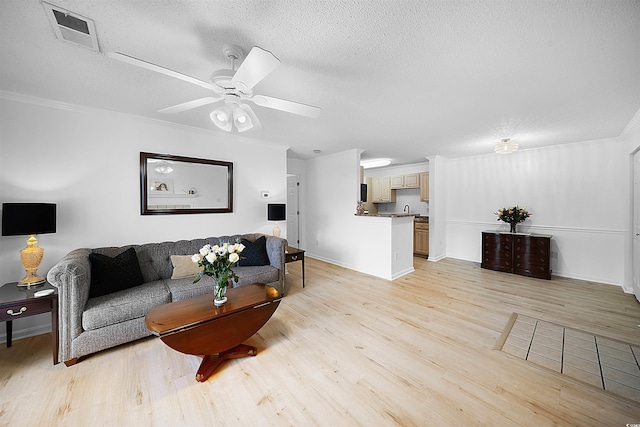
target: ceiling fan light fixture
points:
(506, 146)
(221, 117)
(241, 120)
(244, 118)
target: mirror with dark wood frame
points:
(184, 185)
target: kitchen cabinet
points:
(382, 192)
(421, 238)
(523, 254)
(411, 180)
(397, 181)
(424, 187)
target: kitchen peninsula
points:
(387, 239)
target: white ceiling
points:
(401, 79)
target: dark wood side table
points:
(292, 254)
(20, 301)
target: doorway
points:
(293, 210)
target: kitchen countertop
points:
(417, 217)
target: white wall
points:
(437, 208)
(332, 185)
(333, 232)
(577, 193)
(398, 169)
(87, 161)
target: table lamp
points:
(276, 212)
(22, 219)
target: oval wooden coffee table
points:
(196, 326)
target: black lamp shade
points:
(21, 219)
(276, 211)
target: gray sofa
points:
(88, 325)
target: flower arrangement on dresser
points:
(216, 262)
(513, 215)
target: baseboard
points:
(402, 273)
(18, 334)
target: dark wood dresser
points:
(524, 254)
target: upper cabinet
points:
(384, 187)
(397, 181)
(405, 181)
(412, 180)
(382, 192)
(424, 187)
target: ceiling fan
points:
(233, 87)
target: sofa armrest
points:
(275, 250)
(72, 276)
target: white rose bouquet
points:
(216, 262)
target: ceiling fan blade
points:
(190, 104)
(288, 106)
(158, 69)
(256, 66)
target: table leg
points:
(303, 271)
(9, 325)
(211, 362)
(54, 329)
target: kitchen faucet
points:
(406, 209)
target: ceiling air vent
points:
(72, 27)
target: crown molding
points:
(28, 99)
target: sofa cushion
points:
(185, 288)
(124, 305)
(183, 266)
(254, 253)
(256, 274)
(114, 274)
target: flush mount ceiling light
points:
(374, 163)
(506, 146)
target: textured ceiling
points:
(399, 79)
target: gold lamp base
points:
(31, 257)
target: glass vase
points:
(513, 227)
(220, 292)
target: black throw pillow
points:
(110, 275)
(254, 253)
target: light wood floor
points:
(349, 349)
